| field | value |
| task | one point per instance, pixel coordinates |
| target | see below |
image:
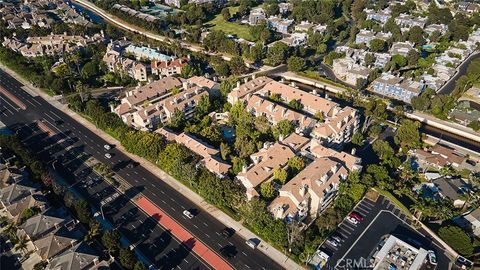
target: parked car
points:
(108, 155)
(188, 214)
(107, 147)
(332, 242)
(352, 220)
(337, 237)
(432, 258)
(253, 243)
(356, 216)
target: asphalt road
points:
(204, 226)
(381, 219)
(462, 69)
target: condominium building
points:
(310, 191)
(397, 87)
(408, 21)
(339, 128)
(280, 25)
(381, 16)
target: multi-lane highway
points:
(73, 144)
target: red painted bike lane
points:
(183, 235)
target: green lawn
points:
(232, 28)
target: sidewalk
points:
(264, 247)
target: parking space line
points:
(344, 231)
(349, 226)
(367, 201)
(365, 205)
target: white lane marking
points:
(135, 172)
(173, 209)
(207, 235)
(164, 201)
(219, 245)
(55, 115)
(195, 226)
(185, 260)
(14, 107)
(206, 225)
(244, 253)
(172, 199)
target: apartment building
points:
(147, 53)
(401, 48)
(381, 16)
(261, 106)
(210, 155)
(441, 28)
(439, 156)
(337, 129)
(397, 87)
(146, 107)
(249, 87)
(173, 3)
(168, 68)
(119, 64)
(365, 36)
(408, 21)
(256, 16)
(348, 71)
(310, 191)
(270, 158)
(279, 24)
(295, 39)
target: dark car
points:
(228, 232)
(229, 251)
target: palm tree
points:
(93, 231)
(22, 243)
(10, 231)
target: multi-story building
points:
(397, 87)
(401, 48)
(381, 16)
(348, 71)
(147, 53)
(256, 16)
(168, 68)
(147, 106)
(337, 129)
(441, 28)
(408, 21)
(249, 87)
(267, 160)
(279, 24)
(310, 191)
(295, 39)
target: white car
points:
(251, 243)
(332, 242)
(188, 214)
(432, 258)
(352, 220)
(107, 155)
(107, 147)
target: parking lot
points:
(380, 218)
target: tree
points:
(177, 121)
(93, 232)
(127, 258)
(383, 150)
(456, 238)
(277, 54)
(83, 211)
(408, 134)
(203, 106)
(412, 57)
(111, 241)
(281, 175)
(415, 35)
(267, 190)
(296, 64)
(295, 104)
(369, 59)
(237, 65)
(377, 45)
(139, 266)
(271, 8)
(226, 14)
(358, 139)
(22, 243)
(222, 68)
(296, 164)
(225, 151)
(283, 128)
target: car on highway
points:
(108, 155)
(227, 232)
(356, 216)
(252, 242)
(432, 258)
(188, 214)
(107, 147)
(229, 251)
(352, 220)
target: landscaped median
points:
(183, 235)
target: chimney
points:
(354, 150)
(293, 84)
(303, 190)
(245, 79)
(334, 168)
(238, 84)
(280, 211)
(281, 138)
(254, 76)
(244, 169)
